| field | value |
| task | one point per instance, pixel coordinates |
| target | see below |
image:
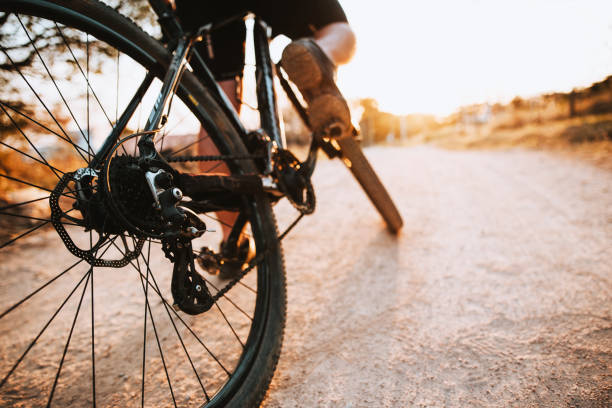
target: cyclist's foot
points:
(230, 262)
(314, 74)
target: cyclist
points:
(322, 40)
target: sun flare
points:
(433, 57)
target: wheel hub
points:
(87, 200)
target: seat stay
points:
(266, 95)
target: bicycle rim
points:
(83, 335)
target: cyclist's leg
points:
(224, 56)
(323, 40)
(337, 40)
(232, 89)
(238, 254)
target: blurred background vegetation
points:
(580, 120)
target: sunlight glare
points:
(432, 57)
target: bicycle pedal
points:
(209, 261)
(334, 130)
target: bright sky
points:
(436, 55)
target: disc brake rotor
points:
(58, 216)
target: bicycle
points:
(127, 207)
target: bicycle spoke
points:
(65, 194)
(159, 347)
(67, 138)
(25, 182)
(44, 161)
(87, 91)
(229, 300)
(247, 286)
(61, 95)
(24, 234)
(93, 352)
(154, 286)
(54, 169)
(117, 89)
(144, 340)
(20, 359)
(86, 77)
(179, 337)
(16, 305)
(33, 218)
(229, 324)
(151, 240)
(36, 227)
(78, 148)
(8, 207)
(173, 153)
(214, 167)
(61, 364)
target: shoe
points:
(235, 260)
(229, 262)
(314, 74)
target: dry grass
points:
(588, 137)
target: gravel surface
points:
(498, 292)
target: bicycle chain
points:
(237, 279)
(258, 258)
(184, 159)
(89, 256)
(253, 263)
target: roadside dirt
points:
(498, 292)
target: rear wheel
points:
(74, 332)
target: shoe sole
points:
(326, 106)
(302, 67)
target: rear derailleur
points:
(180, 226)
(189, 289)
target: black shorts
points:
(293, 18)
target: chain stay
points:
(253, 263)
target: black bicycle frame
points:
(266, 96)
(181, 43)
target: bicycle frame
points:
(183, 44)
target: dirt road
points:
(498, 292)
